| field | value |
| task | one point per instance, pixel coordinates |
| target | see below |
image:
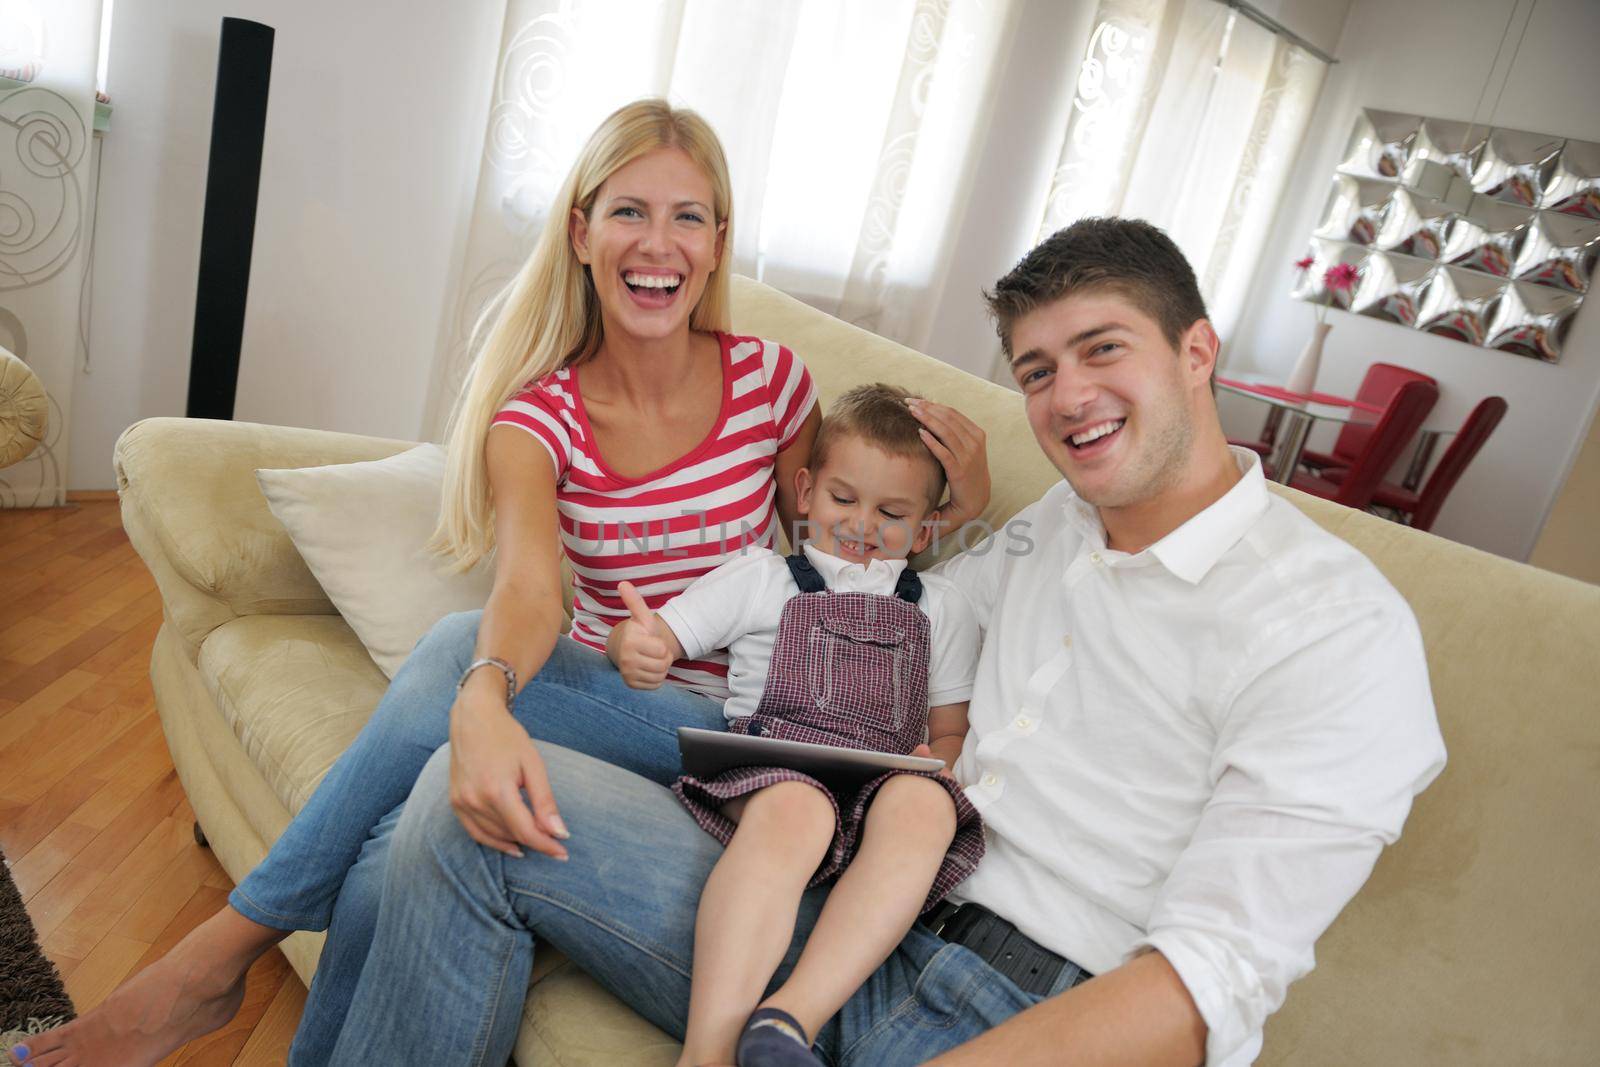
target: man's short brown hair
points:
(877, 414)
(1127, 256)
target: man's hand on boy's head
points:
(959, 445)
(637, 645)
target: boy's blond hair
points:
(877, 414)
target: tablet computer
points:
(707, 753)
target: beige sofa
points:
(1477, 939)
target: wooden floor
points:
(92, 816)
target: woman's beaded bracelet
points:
(491, 661)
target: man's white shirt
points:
(1199, 748)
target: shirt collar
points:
(1190, 551)
(874, 576)
(1194, 548)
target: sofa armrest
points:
(193, 511)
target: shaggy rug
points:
(32, 998)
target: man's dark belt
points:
(1008, 950)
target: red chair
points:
(1420, 509)
(1378, 387)
(1388, 438)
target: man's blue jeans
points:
(447, 974)
(326, 870)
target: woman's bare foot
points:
(192, 990)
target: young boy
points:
(840, 644)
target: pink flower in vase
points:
(1339, 279)
(1302, 266)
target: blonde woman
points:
(609, 416)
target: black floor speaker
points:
(233, 177)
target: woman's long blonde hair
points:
(549, 317)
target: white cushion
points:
(361, 528)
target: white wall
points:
(374, 129)
(1431, 57)
(1568, 544)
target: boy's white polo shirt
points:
(738, 607)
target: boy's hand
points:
(636, 646)
(925, 751)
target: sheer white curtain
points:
(1188, 115)
(49, 51)
(848, 128)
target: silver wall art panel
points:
(1483, 235)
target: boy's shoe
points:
(773, 1038)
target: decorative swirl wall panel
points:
(42, 142)
(45, 146)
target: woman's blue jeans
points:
(326, 871)
(447, 975)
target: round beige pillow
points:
(24, 410)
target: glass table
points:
(1302, 412)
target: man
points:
(1197, 720)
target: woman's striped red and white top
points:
(667, 528)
